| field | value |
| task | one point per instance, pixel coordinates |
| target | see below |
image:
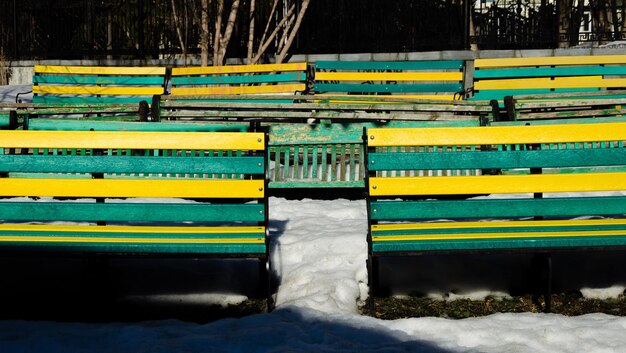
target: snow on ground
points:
(319, 252)
(319, 256)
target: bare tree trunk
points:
(294, 31)
(251, 32)
(264, 45)
(204, 33)
(269, 22)
(225, 38)
(179, 31)
(218, 32)
(615, 21)
(472, 27)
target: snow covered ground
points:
(319, 252)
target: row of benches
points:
(479, 79)
(205, 193)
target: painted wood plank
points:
(551, 60)
(553, 158)
(99, 80)
(129, 164)
(285, 88)
(20, 187)
(232, 69)
(442, 136)
(549, 72)
(389, 65)
(87, 125)
(135, 140)
(391, 88)
(131, 212)
(99, 70)
(96, 90)
(388, 76)
(51, 99)
(560, 82)
(248, 79)
(500, 184)
(498, 208)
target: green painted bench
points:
(493, 79)
(194, 194)
(603, 106)
(416, 176)
(241, 80)
(315, 144)
(412, 80)
(97, 84)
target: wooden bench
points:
(603, 106)
(191, 194)
(239, 80)
(440, 79)
(416, 176)
(317, 144)
(496, 78)
(97, 84)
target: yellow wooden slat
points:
(460, 136)
(550, 60)
(389, 76)
(61, 228)
(496, 224)
(99, 70)
(572, 82)
(56, 239)
(372, 99)
(290, 88)
(133, 140)
(99, 90)
(516, 235)
(238, 69)
(497, 184)
(164, 188)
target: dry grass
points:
(569, 304)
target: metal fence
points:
(138, 29)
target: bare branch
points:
(251, 32)
(294, 31)
(232, 17)
(218, 32)
(266, 44)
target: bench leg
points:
(542, 278)
(372, 272)
(265, 280)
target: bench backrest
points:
(140, 178)
(409, 170)
(440, 80)
(97, 84)
(288, 78)
(497, 78)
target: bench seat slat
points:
(497, 184)
(391, 88)
(497, 159)
(550, 72)
(16, 187)
(48, 99)
(389, 76)
(131, 212)
(97, 90)
(551, 61)
(238, 69)
(99, 70)
(390, 65)
(513, 208)
(284, 88)
(216, 80)
(99, 80)
(83, 125)
(130, 164)
(135, 140)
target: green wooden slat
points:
(314, 162)
(5, 120)
(324, 174)
(493, 244)
(499, 94)
(86, 125)
(477, 231)
(305, 161)
(88, 233)
(352, 162)
(308, 184)
(549, 72)
(549, 207)
(389, 65)
(388, 88)
(497, 159)
(89, 99)
(98, 80)
(125, 248)
(239, 79)
(130, 164)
